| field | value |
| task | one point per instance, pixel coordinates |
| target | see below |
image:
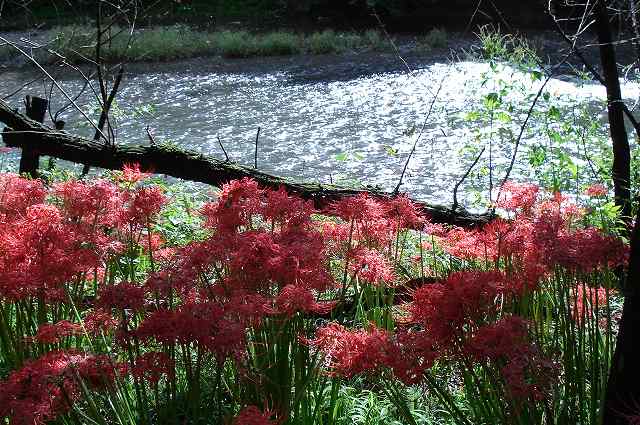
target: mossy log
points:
(22, 132)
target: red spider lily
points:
(132, 174)
(99, 320)
(251, 415)
(371, 266)
(445, 309)
(293, 299)
(45, 388)
(17, 194)
(122, 296)
(527, 374)
(463, 243)
(52, 333)
(41, 251)
(517, 197)
(404, 213)
(349, 353)
(282, 208)
(360, 207)
(336, 237)
(586, 298)
(97, 203)
(586, 250)
(596, 190)
(205, 324)
(142, 205)
(239, 200)
(503, 339)
(415, 353)
(152, 366)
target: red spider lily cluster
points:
(47, 387)
(464, 317)
(251, 415)
(84, 262)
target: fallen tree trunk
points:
(25, 133)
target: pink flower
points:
(517, 196)
(360, 207)
(131, 174)
(596, 190)
(349, 353)
(371, 266)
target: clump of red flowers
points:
(596, 190)
(52, 333)
(47, 387)
(264, 260)
(251, 415)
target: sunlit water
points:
(350, 129)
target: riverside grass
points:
(181, 42)
(170, 43)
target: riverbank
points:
(164, 44)
(232, 50)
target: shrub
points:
(373, 39)
(236, 44)
(324, 42)
(279, 43)
(435, 39)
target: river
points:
(353, 124)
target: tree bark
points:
(622, 398)
(623, 392)
(621, 171)
(22, 132)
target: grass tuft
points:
(279, 43)
(235, 44)
(437, 38)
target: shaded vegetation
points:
(180, 42)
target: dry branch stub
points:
(36, 108)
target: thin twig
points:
(255, 155)
(473, 15)
(223, 149)
(522, 128)
(464, 177)
(424, 123)
(22, 87)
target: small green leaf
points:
(391, 151)
(342, 156)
